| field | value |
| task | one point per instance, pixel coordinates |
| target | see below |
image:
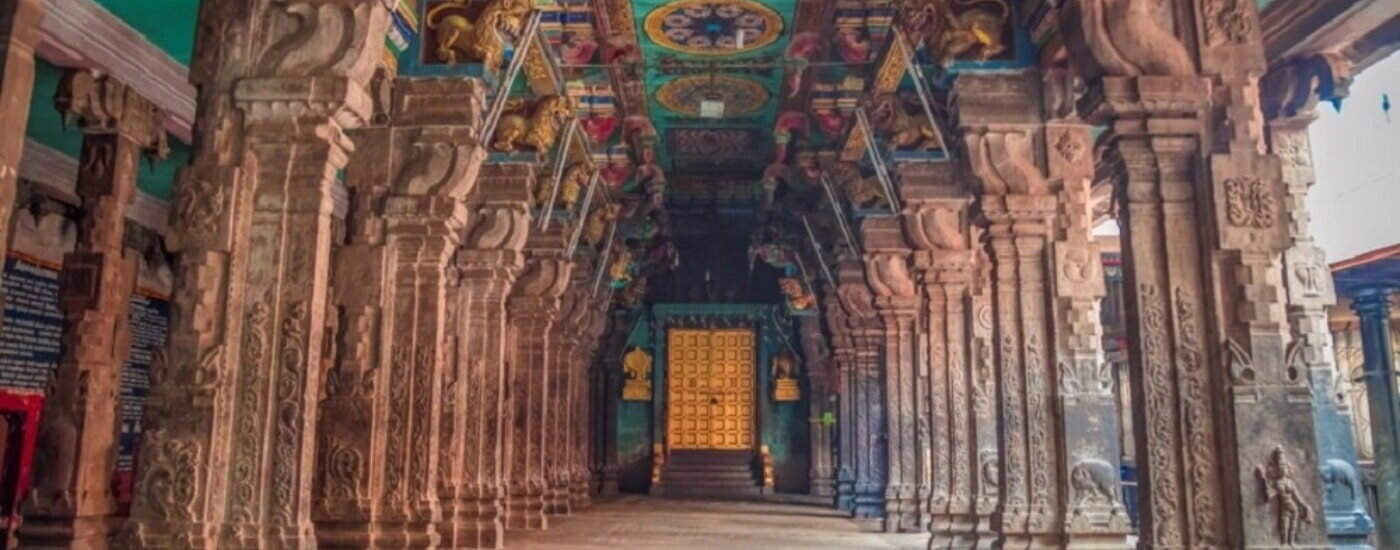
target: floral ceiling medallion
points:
(710, 27)
(740, 96)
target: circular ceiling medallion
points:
(740, 96)
(710, 27)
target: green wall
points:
(169, 24)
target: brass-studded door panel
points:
(710, 388)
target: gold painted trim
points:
(652, 26)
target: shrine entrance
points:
(710, 393)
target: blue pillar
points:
(1373, 307)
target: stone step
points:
(701, 479)
(710, 458)
(701, 491)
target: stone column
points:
(817, 359)
(70, 502)
(534, 307)
(489, 261)
(1290, 93)
(906, 428)
(346, 503)
(843, 357)
(1222, 416)
(609, 400)
(406, 181)
(1373, 309)
(560, 417)
(867, 403)
(1095, 516)
(985, 387)
(936, 222)
(19, 35)
(582, 489)
(251, 229)
(1000, 116)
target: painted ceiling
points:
(713, 78)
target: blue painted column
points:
(1373, 308)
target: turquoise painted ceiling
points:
(714, 79)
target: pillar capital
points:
(102, 104)
(1372, 302)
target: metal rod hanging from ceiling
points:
(840, 213)
(817, 249)
(517, 60)
(873, 149)
(920, 87)
(559, 161)
(603, 259)
(581, 217)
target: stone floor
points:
(646, 523)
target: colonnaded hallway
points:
(666, 274)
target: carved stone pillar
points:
(984, 383)
(489, 261)
(560, 415)
(610, 400)
(936, 222)
(346, 503)
(1095, 516)
(581, 488)
(1223, 416)
(843, 387)
(1290, 93)
(19, 35)
(867, 403)
(71, 502)
(906, 428)
(251, 230)
(534, 307)
(1000, 119)
(407, 181)
(817, 359)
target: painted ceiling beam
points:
(80, 33)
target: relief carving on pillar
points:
(1279, 490)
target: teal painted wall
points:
(46, 127)
(634, 423)
(783, 426)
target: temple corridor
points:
(689, 274)
(636, 522)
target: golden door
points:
(709, 388)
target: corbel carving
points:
(1122, 38)
(498, 227)
(1004, 163)
(1294, 87)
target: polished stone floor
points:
(645, 523)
